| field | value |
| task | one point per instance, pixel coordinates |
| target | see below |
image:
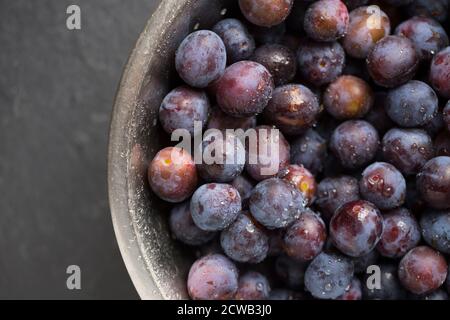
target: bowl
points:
(157, 264)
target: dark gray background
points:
(56, 93)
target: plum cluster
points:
(358, 93)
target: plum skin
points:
(326, 20)
(212, 277)
(348, 97)
(401, 233)
(253, 286)
(201, 58)
(245, 89)
(422, 270)
(440, 73)
(334, 192)
(436, 229)
(393, 61)
(293, 109)
(356, 228)
(184, 229)
(302, 179)
(362, 33)
(262, 160)
(433, 182)
(346, 143)
(305, 239)
(329, 275)
(266, 13)
(383, 185)
(275, 203)
(407, 149)
(172, 175)
(245, 241)
(182, 107)
(215, 206)
(320, 63)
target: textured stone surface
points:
(56, 93)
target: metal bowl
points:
(157, 265)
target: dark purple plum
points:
(184, 229)
(355, 143)
(320, 63)
(401, 233)
(335, 192)
(253, 286)
(435, 126)
(326, 20)
(377, 116)
(356, 228)
(201, 58)
(407, 149)
(436, 229)
(383, 185)
(293, 109)
(436, 9)
(427, 34)
(223, 157)
(245, 89)
(433, 183)
(309, 150)
(182, 107)
(390, 286)
(245, 187)
(221, 121)
(302, 179)
(422, 270)
(353, 293)
(290, 271)
(266, 13)
(279, 60)
(245, 241)
(329, 275)
(368, 25)
(305, 239)
(393, 61)
(213, 277)
(348, 97)
(412, 104)
(238, 42)
(215, 206)
(275, 203)
(268, 154)
(442, 144)
(172, 175)
(440, 73)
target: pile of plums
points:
(356, 93)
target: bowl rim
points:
(126, 99)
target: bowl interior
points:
(157, 264)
